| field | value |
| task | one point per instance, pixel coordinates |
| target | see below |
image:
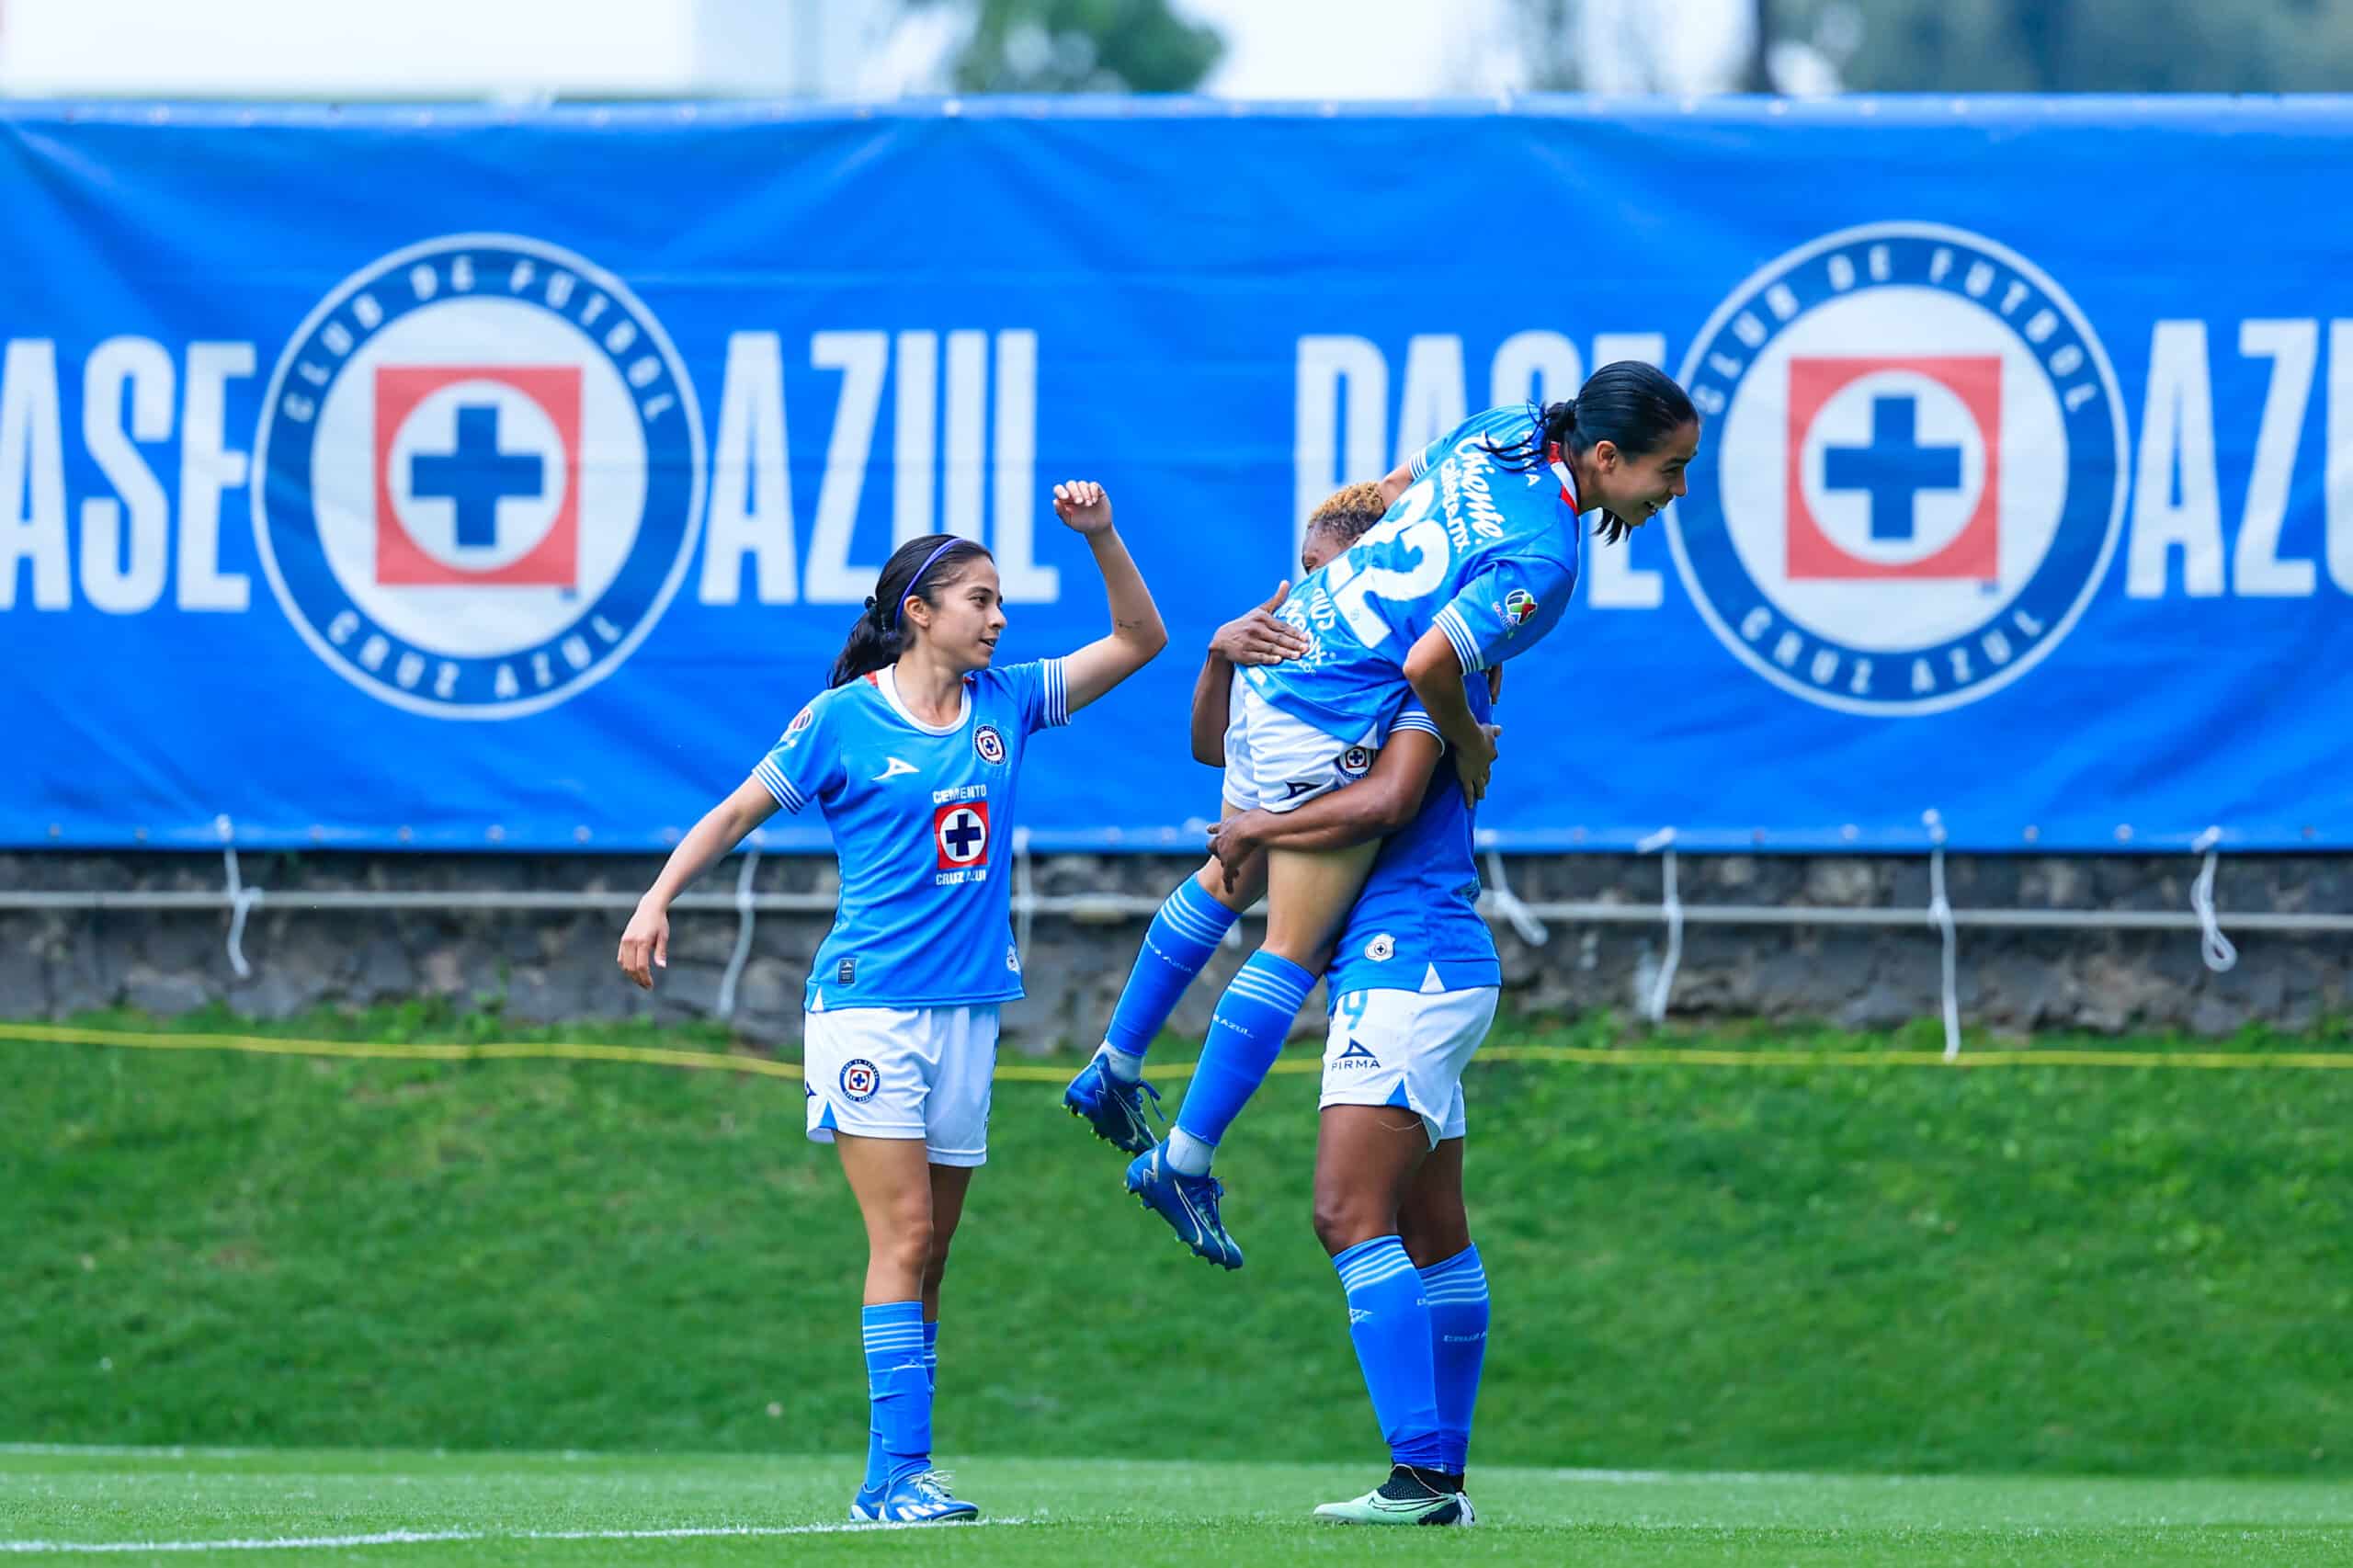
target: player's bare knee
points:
(907, 1243)
(1347, 1216)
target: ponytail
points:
(1554, 425)
(1635, 407)
(917, 569)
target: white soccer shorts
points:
(902, 1072)
(1277, 762)
(1407, 1049)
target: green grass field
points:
(411, 1510)
(1737, 1273)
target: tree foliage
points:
(1080, 46)
(2086, 46)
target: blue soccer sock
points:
(878, 1463)
(898, 1384)
(1183, 935)
(1456, 1291)
(1245, 1036)
(1390, 1325)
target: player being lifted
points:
(1473, 564)
(913, 755)
(1108, 1092)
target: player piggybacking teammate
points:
(1414, 977)
(1332, 748)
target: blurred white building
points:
(443, 49)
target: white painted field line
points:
(413, 1537)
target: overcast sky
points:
(1275, 49)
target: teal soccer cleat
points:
(1116, 1111)
(1189, 1203)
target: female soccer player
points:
(912, 754)
(1413, 985)
(1108, 1093)
(1473, 565)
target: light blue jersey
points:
(919, 817)
(1416, 924)
(1485, 556)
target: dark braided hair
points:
(917, 569)
(1635, 407)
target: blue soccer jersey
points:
(1486, 556)
(1416, 926)
(920, 818)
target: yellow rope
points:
(1038, 1073)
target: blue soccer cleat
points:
(1188, 1202)
(1114, 1109)
(919, 1498)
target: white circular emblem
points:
(859, 1078)
(989, 743)
(1381, 949)
(480, 476)
(1356, 760)
(1915, 476)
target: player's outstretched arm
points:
(645, 945)
(1373, 807)
(1257, 638)
(1136, 631)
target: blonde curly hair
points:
(1347, 512)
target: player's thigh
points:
(891, 1182)
(1249, 877)
(1309, 894)
(948, 1185)
(1432, 1218)
(962, 1048)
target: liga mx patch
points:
(1914, 474)
(482, 476)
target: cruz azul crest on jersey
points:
(988, 744)
(859, 1079)
(960, 835)
(1915, 472)
(482, 476)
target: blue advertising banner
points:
(486, 479)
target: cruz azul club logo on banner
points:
(482, 476)
(1914, 470)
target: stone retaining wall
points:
(556, 968)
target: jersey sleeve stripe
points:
(1421, 722)
(1458, 633)
(1057, 695)
(769, 774)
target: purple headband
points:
(900, 615)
